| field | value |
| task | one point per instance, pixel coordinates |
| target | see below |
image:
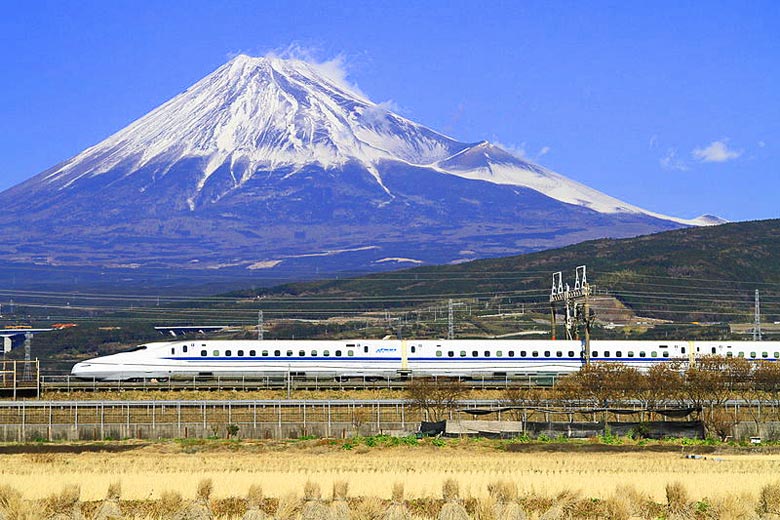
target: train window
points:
(499, 353)
(301, 353)
(326, 353)
(202, 345)
(741, 354)
(546, 353)
(618, 354)
(665, 353)
(535, 354)
(438, 353)
(777, 355)
(642, 354)
(240, 353)
(474, 353)
(559, 354)
(606, 353)
(277, 353)
(204, 353)
(313, 353)
(450, 354)
(753, 355)
(350, 353)
(265, 353)
(729, 354)
(523, 353)
(682, 350)
(216, 353)
(571, 353)
(462, 353)
(414, 349)
(365, 349)
(252, 353)
(714, 350)
(512, 353)
(350, 345)
(338, 353)
(184, 348)
(594, 354)
(228, 353)
(173, 351)
(487, 353)
(765, 354)
(631, 353)
(289, 353)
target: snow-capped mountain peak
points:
(261, 114)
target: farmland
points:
(149, 471)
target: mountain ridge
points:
(266, 160)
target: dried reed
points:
(64, 505)
(339, 508)
(199, 509)
(254, 499)
(677, 500)
(370, 508)
(397, 509)
(12, 507)
(769, 499)
(287, 508)
(313, 508)
(110, 508)
(452, 509)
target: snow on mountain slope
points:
(487, 162)
(261, 114)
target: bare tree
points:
(436, 397)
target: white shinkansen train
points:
(367, 358)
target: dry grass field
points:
(151, 472)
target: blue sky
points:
(671, 106)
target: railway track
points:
(69, 384)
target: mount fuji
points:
(273, 165)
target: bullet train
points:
(382, 359)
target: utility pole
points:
(563, 293)
(757, 320)
(260, 324)
(27, 374)
(450, 321)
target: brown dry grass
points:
(283, 468)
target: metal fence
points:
(22, 421)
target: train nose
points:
(83, 369)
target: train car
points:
(375, 359)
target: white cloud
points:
(671, 161)
(761, 144)
(335, 69)
(377, 114)
(515, 149)
(717, 151)
(521, 150)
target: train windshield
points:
(135, 349)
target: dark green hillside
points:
(695, 274)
